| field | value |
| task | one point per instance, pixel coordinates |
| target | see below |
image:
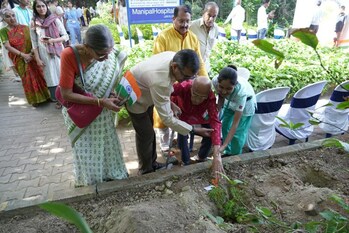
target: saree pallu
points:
(97, 151)
(34, 84)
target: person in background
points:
(23, 13)
(175, 38)
(237, 17)
(56, 9)
(342, 17)
(72, 23)
(262, 19)
(16, 39)
(122, 13)
(206, 30)
(315, 21)
(197, 104)
(96, 149)
(155, 77)
(237, 101)
(47, 35)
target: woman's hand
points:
(46, 40)
(112, 104)
(40, 63)
(26, 57)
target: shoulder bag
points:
(81, 114)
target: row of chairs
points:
(264, 124)
(250, 34)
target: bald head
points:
(202, 85)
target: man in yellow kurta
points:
(175, 38)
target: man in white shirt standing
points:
(314, 26)
(206, 30)
(262, 19)
(237, 17)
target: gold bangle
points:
(98, 103)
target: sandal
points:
(58, 105)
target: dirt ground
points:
(287, 185)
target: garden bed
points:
(288, 185)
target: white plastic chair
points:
(279, 33)
(335, 120)
(221, 34)
(243, 72)
(251, 34)
(123, 41)
(297, 112)
(140, 36)
(261, 135)
(155, 32)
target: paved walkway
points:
(35, 154)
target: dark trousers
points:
(145, 139)
(203, 151)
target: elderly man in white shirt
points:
(155, 78)
(237, 17)
(262, 19)
(206, 30)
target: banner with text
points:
(151, 11)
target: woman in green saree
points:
(96, 148)
(17, 41)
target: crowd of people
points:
(33, 38)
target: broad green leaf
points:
(312, 227)
(343, 105)
(332, 142)
(306, 37)
(269, 48)
(340, 202)
(65, 212)
(265, 211)
(328, 215)
(314, 122)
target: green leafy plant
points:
(229, 200)
(67, 213)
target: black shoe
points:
(157, 166)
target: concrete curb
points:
(78, 194)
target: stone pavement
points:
(35, 154)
